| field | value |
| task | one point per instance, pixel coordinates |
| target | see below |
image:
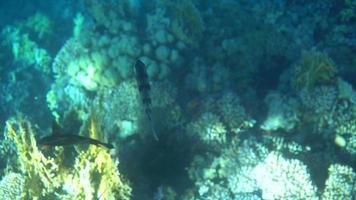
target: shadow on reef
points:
(150, 164)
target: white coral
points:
(281, 178)
(209, 128)
(12, 186)
(341, 183)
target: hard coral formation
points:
(26, 50)
(340, 184)
(283, 113)
(97, 60)
(94, 173)
(12, 186)
(281, 178)
(123, 105)
(209, 129)
(204, 79)
(40, 24)
(209, 174)
(248, 169)
(345, 126)
(187, 24)
(314, 68)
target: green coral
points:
(93, 175)
(39, 24)
(78, 22)
(25, 50)
(314, 68)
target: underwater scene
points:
(178, 100)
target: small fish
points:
(68, 139)
(144, 89)
(59, 138)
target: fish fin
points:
(107, 145)
(56, 128)
(97, 143)
(154, 133)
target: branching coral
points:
(248, 169)
(230, 111)
(40, 24)
(281, 178)
(209, 129)
(121, 104)
(345, 126)
(314, 68)
(341, 183)
(25, 50)
(12, 186)
(40, 173)
(233, 114)
(94, 174)
(319, 105)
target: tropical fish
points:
(69, 139)
(144, 89)
(57, 138)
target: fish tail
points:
(107, 145)
(97, 143)
(148, 114)
(154, 132)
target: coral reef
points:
(281, 178)
(345, 128)
(39, 24)
(250, 99)
(25, 50)
(314, 68)
(283, 113)
(94, 172)
(12, 186)
(122, 104)
(318, 105)
(210, 129)
(340, 183)
(187, 24)
(250, 170)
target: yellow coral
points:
(40, 172)
(94, 174)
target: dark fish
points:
(60, 138)
(68, 139)
(144, 89)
